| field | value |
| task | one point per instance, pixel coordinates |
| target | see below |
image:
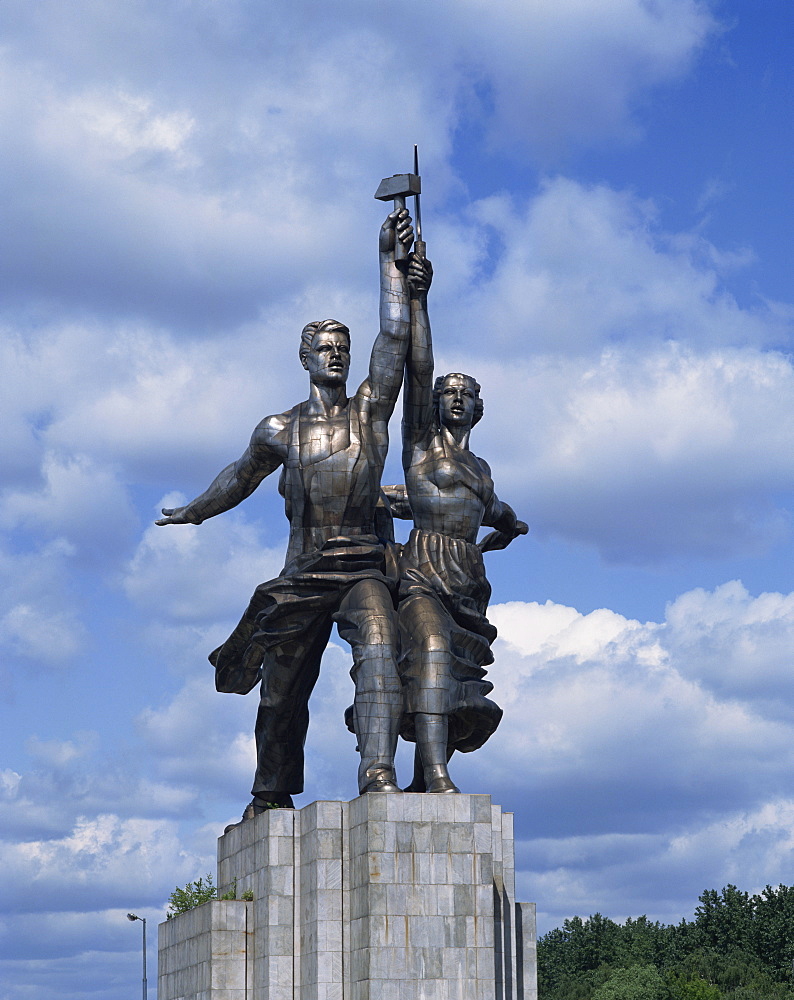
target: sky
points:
(606, 201)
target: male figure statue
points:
(331, 450)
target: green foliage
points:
(758, 991)
(193, 895)
(773, 928)
(724, 919)
(637, 982)
(198, 892)
(579, 985)
(738, 947)
(232, 893)
(695, 989)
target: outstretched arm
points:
(388, 353)
(502, 517)
(418, 397)
(235, 483)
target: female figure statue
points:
(443, 593)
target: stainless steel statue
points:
(415, 619)
(443, 593)
(331, 451)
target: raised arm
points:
(418, 415)
(388, 353)
(237, 481)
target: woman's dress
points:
(443, 594)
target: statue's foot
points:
(415, 786)
(380, 780)
(437, 779)
(442, 785)
(260, 804)
(272, 800)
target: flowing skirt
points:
(446, 638)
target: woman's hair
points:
(320, 326)
(439, 385)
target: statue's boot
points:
(259, 804)
(376, 731)
(418, 780)
(432, 733)
(437, 779)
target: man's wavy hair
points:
(439, 385)
(320, 326)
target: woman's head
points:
(456, 398)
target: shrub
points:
(193, 895)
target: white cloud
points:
(198, 203)
(656, 759)
(199, 573)
(104, 861)
(81, 777)
(738, 645)
(572, 72)
(41, 618)
(61, 753)
(615, 722)
(581, 266)
(121, 124)
(80, 501)
(618, 874)
(203, 740)
(648, 456)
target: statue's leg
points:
(289, 674)
(426, 640)
(367, 621)
(432, 732)
(418, 780)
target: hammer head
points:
(400, 185)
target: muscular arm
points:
(418, 397)
(388, 353)
(502, 517)
(237, 481)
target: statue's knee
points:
(433, 643)
(379, 630)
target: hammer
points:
(398, 188)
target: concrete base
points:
(387, 897)
(204, 954)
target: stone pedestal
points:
(205, 953)
(387, 897)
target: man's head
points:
(325, 351)
(457, 400)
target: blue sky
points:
(607, 207)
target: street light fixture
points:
(134, 916)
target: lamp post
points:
(134, 916)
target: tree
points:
(773, 929)
(724, 921)
(739, 947)
(695, 989)
(638, 982)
